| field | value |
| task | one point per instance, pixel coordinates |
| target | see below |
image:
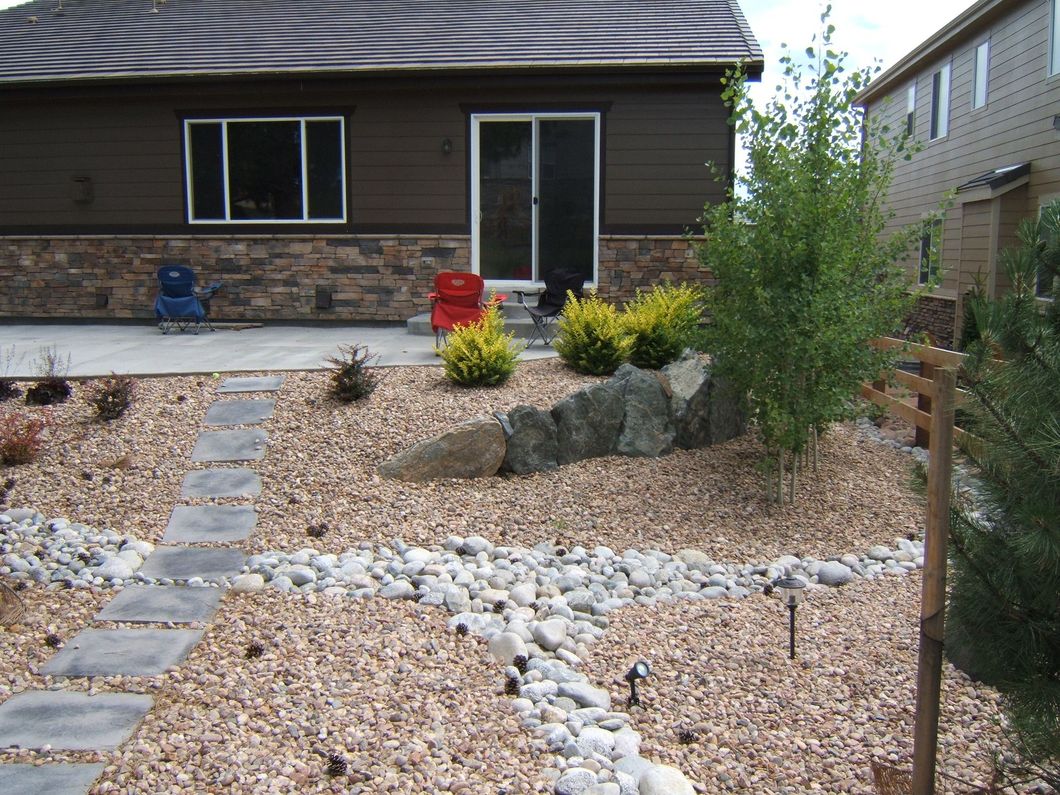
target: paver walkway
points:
(75, 721)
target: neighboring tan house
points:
(327, 158)
(983, 96)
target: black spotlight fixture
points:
(640, 670)
(791, 590)
(447, 146)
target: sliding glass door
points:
(535, 195)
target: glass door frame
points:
(476, 213)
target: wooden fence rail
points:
(922, 385)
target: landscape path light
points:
(792, 592)
(640, 670)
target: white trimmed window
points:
(1054, 40)
(930, 241)
(1044, 283)
(940, 102)
(910, 110)
(980, 83)
(265, 170)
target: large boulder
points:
(532, 446)
(647, 426)
(705, 410)
(472, 449)
(728, 418)
(587, 423)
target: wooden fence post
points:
(933, 595)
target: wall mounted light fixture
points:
(447, 146)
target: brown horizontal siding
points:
(656, 142)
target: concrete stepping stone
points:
(68, 779)
(122, 652)
(267, 383)
(162, 603)
(241, 445)
(70, 721)
(183, 563)
(195, 523)
(239, 412)
(221, 483)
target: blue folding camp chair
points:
(180, 302)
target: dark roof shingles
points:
(123, 38)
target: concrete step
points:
(516, 319)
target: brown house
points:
(327, 158)
(982, 95)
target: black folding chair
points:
(558, 284)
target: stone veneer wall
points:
(370, 278)
(935, 315)
(631, 261)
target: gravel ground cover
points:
(407, 705)
(323, 456)
(762, 723)
(320, 469)
(380, 681)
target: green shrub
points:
(592, 337)
(662, 322)
(20, 438)
(480, 353)
(352, 379)
(111, 397)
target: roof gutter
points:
(971, 21)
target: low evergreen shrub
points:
(352, 378)
(111, 397)
(480, 353)
(662, 323)
(592, 337)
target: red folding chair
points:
(457, 298)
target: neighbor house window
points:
(982, 71)
(1045, 279)
(929, 252)
(940, 102)
(910, 110)
(1054, 52)
(265, 170)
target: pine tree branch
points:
(975, 389)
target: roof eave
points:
(966, 24)
(753, 67)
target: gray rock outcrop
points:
(705, 409)
(647, 426)
(587, 423)
(473, 449)
(533, 446)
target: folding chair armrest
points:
(208, 290)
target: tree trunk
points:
(794, 471)
(780, 478)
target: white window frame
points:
(1054, 39)
(940, 104)
(910, 109)
(933, 237)
(981, 75)
(1043, 202)
(224, 121)
(476, 212)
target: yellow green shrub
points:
(592, 338)
(662, 323)
(480, 353)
